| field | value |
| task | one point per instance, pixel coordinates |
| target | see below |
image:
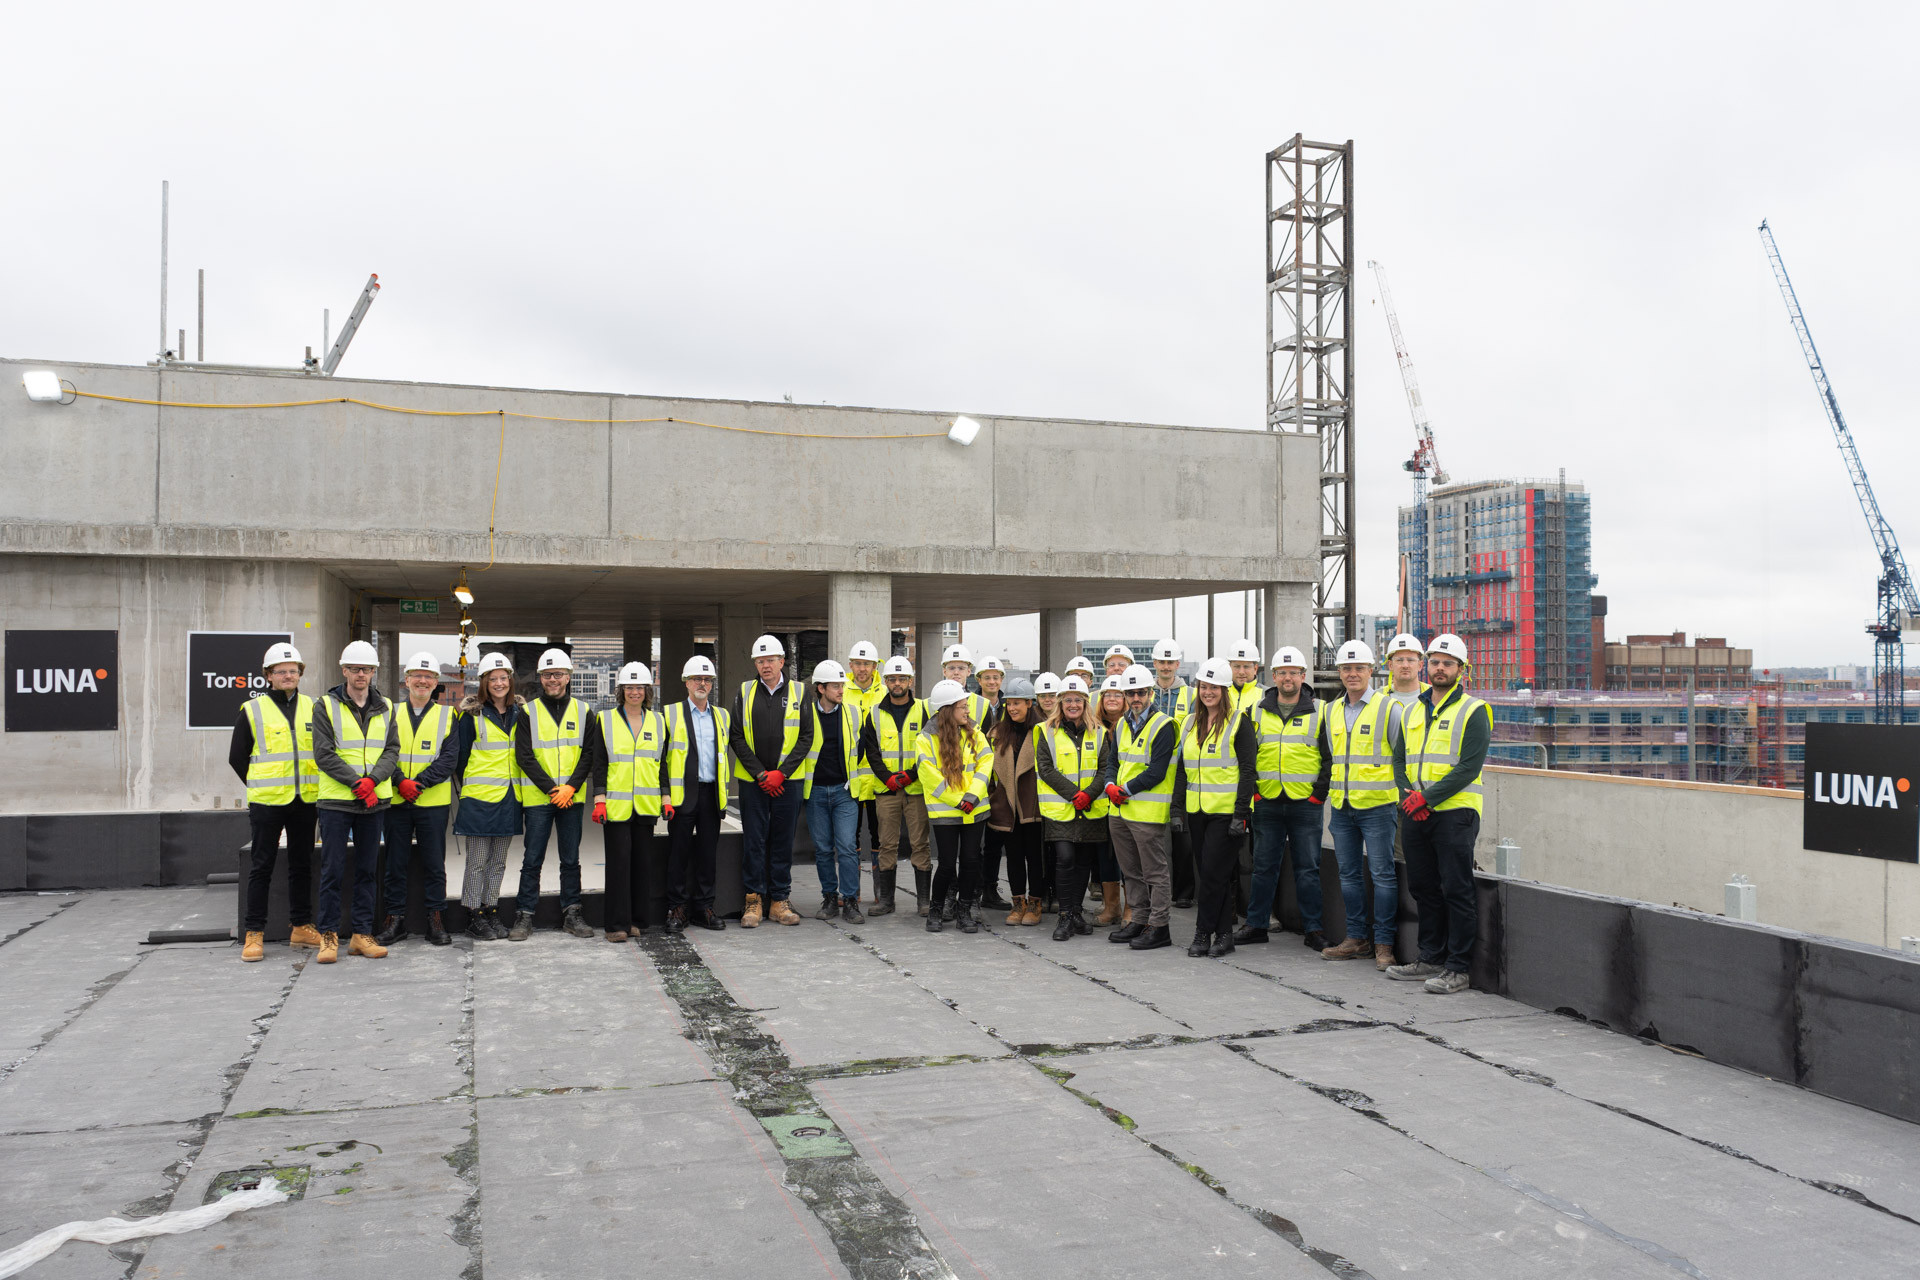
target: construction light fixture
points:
(45, 387)
(963, 430)
(462, 592)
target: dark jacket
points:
(485, 817)
(327, 755)
(1270, 703)
(444, 763)
(1474, 736)
(1080, 829)
(1159, 759)
(769, 712)
(530, 764)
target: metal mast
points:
(1426, 458)
(1897, 601)
(1310, 349)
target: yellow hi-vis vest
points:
(897, 743)
(1245, 699)
(359, 751)
(556, 745)
(943, 801)
(1182, 701)
(1433, 744)
(680, 745)
(282, 767)
(1080, 765)
(849, 746)
(1136, 753)
(1213, 776)
(864, 700)
(789, 730)
(491, 766)
(1289, 760)
(420, 747)
(1362, 767)
(633, 764)
(977, 704)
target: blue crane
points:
(1898, 602)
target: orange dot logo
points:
(1901, 784)
(100, 673)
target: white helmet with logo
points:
(1354, 652)
(991, 663)
(1168, 650)
(634, 673)
(1073, 684)
(956, 653)
(1080, 665)
(1112, 683)
(829, 672)
(496, 661)
(1452, 646)
(424, 661)
(1136, 677)
(359, 654)
(1404, 643)
(1288, 656)
(1119, 651)
(769, 647)
(1243, 651)
(1046, 682)
(1215, 671)
(863, 651)
(945, 693)
(897, 666)
(699, 665)
(555, 660)
(279, 653)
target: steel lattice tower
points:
(1310, 348)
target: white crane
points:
(1425, 461)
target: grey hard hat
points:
(1018, 687)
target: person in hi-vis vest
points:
(864, 689)
(272, 752)
(832, 768)
(357, 748)
(630, 791)
(488, 817)
(551, 748)
(886, 749)
(1140, 753)
(422, 791)
(1292, 790)
(697, 737)
(770, 743)
(1356, 735)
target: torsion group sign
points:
(223, 671)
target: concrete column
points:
(1289, 616)
(859, 607)
(927, 637)
(676, 646)
(740, 626)
(636, 645)
(387, 645)
(1059, 639)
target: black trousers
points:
(1181, 846)
(1073, 868)
(869, 821)
(267, 821)
(1217, 855)
(1440, 880)
(956, 842)
(629, 873)
(993, 847)
(693, 846)
(1026, 859)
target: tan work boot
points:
(1032, 915)
(256, 948)
(1110, 908)
(750, 916)
(363, 945)
(1349, 949)
(1383, 957)
(304, 935)
(329, 948)
(1019, 911)
(782, 912)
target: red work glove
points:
(562, 796)
(409, 789)
(1422, 814)
(1115, 794)
(773, 782)
(966, 805)
(897, 781)
(667, 809)
(1316, 799)
(1413, 803)
(599, 810)
(1081, 800)
(365, 789)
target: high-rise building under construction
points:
(1507, 566)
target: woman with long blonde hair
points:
(1218, 763)
(1073, 801)
(954, 762)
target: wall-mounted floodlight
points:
(45, 386)
(462, 592)
(963, 430)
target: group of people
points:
(1130, 779)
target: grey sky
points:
(1051, 210)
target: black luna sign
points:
(1862, 790)
(62, 681)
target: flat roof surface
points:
(879, 1101)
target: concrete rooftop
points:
(878, 1101)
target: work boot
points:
(1448, 983)
(522, 927)
(933, 922)
(496, 927)
(1349, 949)
(946, 907)
(1112, 905)
(706, 919)
(676, 921)
(1079, 919)
(1222, 945)
(850, 911)
(782, 912)
(363, 945)
(829, 908)
(923, 890)
(1127, 932)
(436, 931)
(990, 899)
(329, 948)
(574, 923)
(1383, 956)
(1156, 936)
(1248, 933)
(750, 914)
(963, 916)
(1201, 944)
(1019, 912)
(616, 935)
(1063, 928)
(1418, 971)
(883, 891)
(1032, 913)
(304, 935)
(392, 931)
(479, 928)
(256, 947)
(1315, 940)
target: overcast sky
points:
(1052, 210)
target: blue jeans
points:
(832, 817)
(543, 819)
(1278, 825)
(766, 840)
(1368, 831)
(413, 829)
(336, 825)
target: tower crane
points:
(1425, 461)
(1897, 600)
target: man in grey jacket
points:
(356, 743)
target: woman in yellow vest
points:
(629, 791)
(1046, 696)
(1218, 767)
(953, 762)
(489, 815)
(1073, 800)
(1013, 800)
(1112, 710)
(422, 791)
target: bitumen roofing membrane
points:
(874, 1100)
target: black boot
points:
(829, 907)
(1063, 930)
(393, 931)
(963, 916)
(480, 924)
(948, 907)
(437, 932)
(883, 891)
(676, 921)
(1158, 936)
(933, 922)
(1079, 919)
(1127, 932)
(850, 910)
(1222, 945)
(923, 890)
(574, 923)
(1198, 947)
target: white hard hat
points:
(1288, 656)
(555, 660)
(1120, 651)
(496, 661)
(768, 647)
(424, 661)
(956, 653)
(863, 651)
(1404, 643)
(1046, 682)
(279, 653)
(1243, 651)
(1073, 684)
(897, 666)
(1136, 677)
(698, 665)
(991, 663)
(1168, 651)
(359, 654)
(945, 694)
(1215, 671)
(634, 673)
(1452, 646)
(829, 672)
(1079, 662)
(1352, 652)
(1112, 682)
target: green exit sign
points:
(420, 606)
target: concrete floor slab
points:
(48, 1179)
(19, 912)
(1361, 990)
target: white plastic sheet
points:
(116, 1230)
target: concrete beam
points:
(1059, 638)
(859, 607)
